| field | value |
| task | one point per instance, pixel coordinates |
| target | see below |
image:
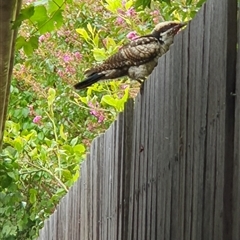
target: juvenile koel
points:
(137, 59)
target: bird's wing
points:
(135, 53)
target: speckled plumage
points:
(137, 59)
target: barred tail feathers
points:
(89, 81)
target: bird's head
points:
(165, 31)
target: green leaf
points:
(118, 104)
(45, 26)
(33, 195)
(74, 141)
(32, 216)
(9, 229)
(34, 42)
(123, 100)
(30, 135)
(20, 42)
(34, 153)
(25, 13)
(67, 174)
(113, 5)
(108, 99)
(83, 33)
(200, 3)
(110, 43)
(57, 18)
(90, 29)
(166, 1)
(40, 14)
(62, 134)
(96, 40)
(55, 21)
(43, 154)
(30, 45)
(142, 3)
(28, 49)
(18, 144)
(40, 135)
(99, 54)
(12, 175)
(6, 181)
(84, 99)
(25, 112)
(128, 4)
(51, 96)
(79, 148)
(55, 5)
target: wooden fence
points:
(169, 167)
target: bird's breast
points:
(142, 71)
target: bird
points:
(136, 59)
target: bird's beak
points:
(176, 29)
(182, 24)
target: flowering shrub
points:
(132, 35)
(50, 125)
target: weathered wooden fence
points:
(169, 167)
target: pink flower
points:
(130, 12)
(41, 38)
(132, 35)
(119, 20)
(78, 55)
(60, 33)
(44, 37)
(67, 33)
(66, 58)
(155, 13)
(71, 70)
(121, 11)
(101, 118)
(37, 119)
(60, 73)
(95, 112)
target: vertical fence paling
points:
(165, 169)
(236, 176)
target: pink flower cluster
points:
(132, 35)
(44, 37)
(129, 13)
(68, 62)
(156, 16)
(126, 13)
(120, 21)
(96, 112)
(37, 118)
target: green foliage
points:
(50, 126)
(44, 16)
(187, 3)
(39, 164)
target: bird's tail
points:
(89, 81)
